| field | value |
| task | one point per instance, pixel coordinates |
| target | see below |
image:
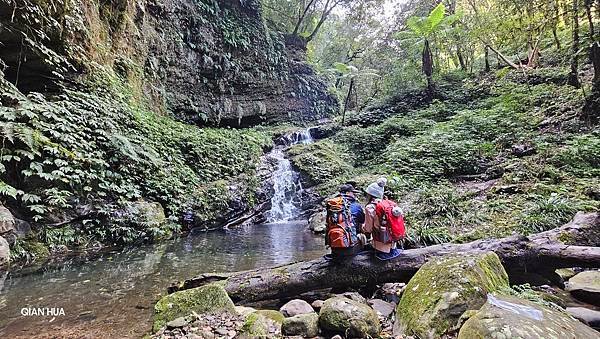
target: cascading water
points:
(286, 200)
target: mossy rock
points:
(276, 316)
(305, 325)
(39, 251)
(443, 289)
(260, 324)
(512, 317)
(206, 299)
(345, 316)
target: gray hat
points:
(376, 189)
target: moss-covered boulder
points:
(512, 317)
(305, 325)
(276, 316)
(205, 299)
(443, 289)
(345, 316)
(262, 324)
(585, 286)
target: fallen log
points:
(572, 245)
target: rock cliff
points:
(208, 62)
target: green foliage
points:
(98, 151)
(321, 161)
(427, 26)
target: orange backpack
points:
(339, 232)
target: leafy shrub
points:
(95, 152)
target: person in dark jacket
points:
(349, 193)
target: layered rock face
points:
(206, 62)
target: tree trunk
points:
(543, 252)
(573, 76)
(428, 68)
(487, 59)
(301, 17)
(346, 101)
(592, 105)
(588, 12)
(556, 39)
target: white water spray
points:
(287, 200)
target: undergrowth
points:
(518, 158)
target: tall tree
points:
(573, 79)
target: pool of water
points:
(113, 294)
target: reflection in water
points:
(113, 295)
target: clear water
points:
(113, 294)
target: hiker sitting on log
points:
(344, 219)
(384, 220)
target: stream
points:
(113, 293)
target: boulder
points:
(585, 315)
(244, 310)
(585, 286)
(141, 214)
(443, 289)
(346, 316)
(565, 273)
(295, 307)
(4, 253)
(316, 222)
(258, 325)
(7, 221)
(354, 296)
(305, 325)
(276, 316)
(382, 307)
(206, 299)
(512, 317)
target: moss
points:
(346, 316)
(444, 288)
(256, 325)
(276, 316)
(566, 237)
(38, 250)
(205, 299)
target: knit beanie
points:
(376, 189)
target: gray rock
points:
(382, 307)
(511, 317)
(585, 286)
(295, 307)
(7, 221)
(305, 325)
(22, 228)
(178, 322)
(4, 253)
(354, 296)
(244, 311)
(316, 222)
(585, 315)
(346, 316)
(317, 304)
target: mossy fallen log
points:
(572, 245)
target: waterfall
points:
(287, 200)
